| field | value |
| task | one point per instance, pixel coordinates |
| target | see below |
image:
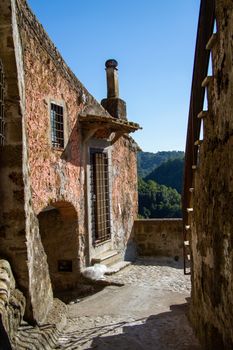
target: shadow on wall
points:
(59, 234)
(130, 253)
(156, 238)
(159, 237)
(71, 153)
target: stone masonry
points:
(12, 303)
(212, 219)
(159, 237)
(41, 183)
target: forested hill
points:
(169, 174)
(148, 161)
(160, 179)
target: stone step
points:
(43, 337)
(34, 338)
(107, 258)
(117, 267)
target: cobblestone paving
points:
(148, 312)
(160, 273)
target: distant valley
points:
(160, 181)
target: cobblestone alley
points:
(147, 312)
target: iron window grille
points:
(57, 125)
(2, 117)
(100, 201)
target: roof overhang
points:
(91, 125)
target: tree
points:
(157, 201)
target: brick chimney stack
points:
(113, 104)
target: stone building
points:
(208, 189)
(68, 172)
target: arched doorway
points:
(59, 234)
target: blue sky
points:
(153, 42)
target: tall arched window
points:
(2, 90)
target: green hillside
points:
(169, 174)
(158, 201)
(148, 161)
(160, 179)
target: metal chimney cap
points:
(111, 63)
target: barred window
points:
(2, 91)
(100, 203)
(57, 125)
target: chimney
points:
(113, 104)
(112, 78)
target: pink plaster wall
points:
(53, 172)
(48, 175)
(60, 175)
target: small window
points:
(57, 125)
(2, 91)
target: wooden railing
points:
(200, 70)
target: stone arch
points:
(58, 225)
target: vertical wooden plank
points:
(200, 70)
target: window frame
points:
(100, 196)
(62, 105)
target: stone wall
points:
(60, 175)
(159, 237)
(12, 154)
(34, 175)
(12, 305)
(58, 235)
(212, 219)
(124, 195)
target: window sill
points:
(102, 243)
(57, 149)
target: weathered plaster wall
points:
(212, 219)
(53, 171)
(124, 195)
(55, 175)
(159, 237)
(33, 174)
